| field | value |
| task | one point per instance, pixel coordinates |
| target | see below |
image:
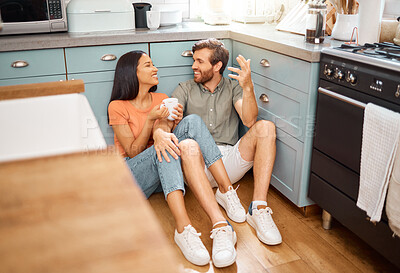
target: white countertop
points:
(260, 35)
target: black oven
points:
(345, 87)
(33, 16)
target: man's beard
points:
(205, 76)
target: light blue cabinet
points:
(174, 63)
(291, 87)
(95, 66)
(33, 66)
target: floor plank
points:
(306, 247)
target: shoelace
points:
(192, 237)
(232, 197)
(265, 217)
(220, 237)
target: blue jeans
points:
(150, 174)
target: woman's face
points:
(146, 71)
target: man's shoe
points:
(191, 246)
(223, 250)
(261, 220)
(231, 203)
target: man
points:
(221, 102)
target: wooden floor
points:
(306, 247)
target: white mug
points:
(170, 103)
(153, 19)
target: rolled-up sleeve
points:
(181, 94)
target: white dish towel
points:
(393, 197)
(380, 139)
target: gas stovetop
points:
(371, 68)
(385, 55)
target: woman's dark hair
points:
(126, 83)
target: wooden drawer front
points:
(170, 54)
(287, 107)
(89, 59)
(40, 63)
(286, 174)
(284, 69)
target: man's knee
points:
(265, 129)
(189, 148)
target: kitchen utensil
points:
(153, 19)
(315, 23)
(140, 14)
(343, 28)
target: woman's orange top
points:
(123, 112)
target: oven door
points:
(14, 11)
(339, 122)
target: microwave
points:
(33, 16)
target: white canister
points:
(344, 26)
(370, 17)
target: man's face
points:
(202, 68)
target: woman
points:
(134, 113)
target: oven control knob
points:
(339, 75)
(328, 72)
(352, 79)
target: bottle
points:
(315, 22)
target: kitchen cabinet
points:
(95, 65)
(174, 62)
(33, 66)
(291, 88)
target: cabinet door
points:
(98, 87)
(286, 175)
(33, 66)
(97, 58)
(97, 73)
(287, 107)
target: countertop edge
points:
(262, 36)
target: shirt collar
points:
(219, 87)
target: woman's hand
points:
(178, 113)
(164, 142)
(158, 112)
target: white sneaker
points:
(261, 220)
(231, 203)
(191, 246)
(223, 250)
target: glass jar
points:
(315, 22)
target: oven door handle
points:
(342, 98)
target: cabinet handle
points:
(264, 98)
(19, 64)
(187, 53)
(264, 63)
(108, 57)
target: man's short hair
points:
(220, 53)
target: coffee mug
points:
(170, 103)
(153, 19)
